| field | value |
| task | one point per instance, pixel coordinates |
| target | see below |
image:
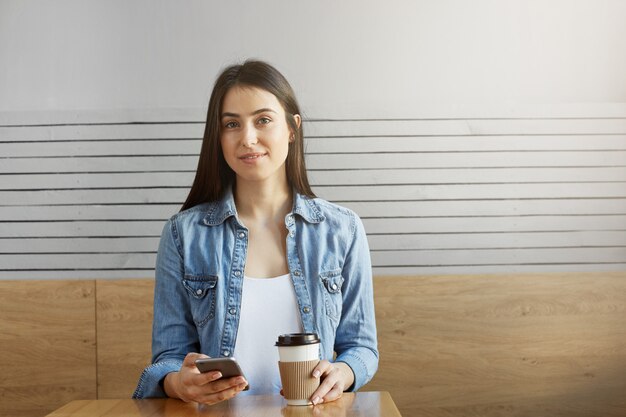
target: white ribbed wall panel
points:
(437, 195)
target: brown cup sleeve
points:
(297, 379)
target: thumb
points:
(192, 357)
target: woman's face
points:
(254, 134)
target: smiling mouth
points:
(251, 156)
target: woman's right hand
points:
(189, 384)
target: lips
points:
(252, 156)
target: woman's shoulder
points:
(333, 214)
(328, 208)
(192, 214)
(337, 220)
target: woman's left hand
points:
(336, 378)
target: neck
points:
(262, 201)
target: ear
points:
(298, 120)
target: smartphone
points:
(227, 366)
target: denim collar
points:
(218, 212)
(307, 208)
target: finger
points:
(320, 393)
(334, 394)
(206, 377)
(216, 391)
(321, 368)
(228, 383)
(331, 379)
(222, 395)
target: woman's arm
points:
(173, 331)
(355, 340)
(173, 372)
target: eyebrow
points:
(263, 110)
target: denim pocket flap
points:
(199, 285)
(332, 281)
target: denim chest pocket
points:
(332, 282)
(202, 293)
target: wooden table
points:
(360, 404)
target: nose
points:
(249, 137)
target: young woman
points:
(254, 254)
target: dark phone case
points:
(227, 366)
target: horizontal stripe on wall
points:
(368, 209)
(326, 178)
(456, 225)
(579, 125)
(77, 244)
(325, 146)
(377, 242)
(354, 161)
(339, 193)
(423, 269)
(469, 127)
(416, 258)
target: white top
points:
(268, 308)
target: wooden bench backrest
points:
(457, 344)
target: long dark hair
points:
(213, 175)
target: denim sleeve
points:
(173, 331)
(355, 340)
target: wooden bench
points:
(541, 344)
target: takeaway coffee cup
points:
(298, 355)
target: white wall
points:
(345, 58)
(510, 155)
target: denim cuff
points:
(359, 368)
(149, 382)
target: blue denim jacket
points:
(199, 279)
